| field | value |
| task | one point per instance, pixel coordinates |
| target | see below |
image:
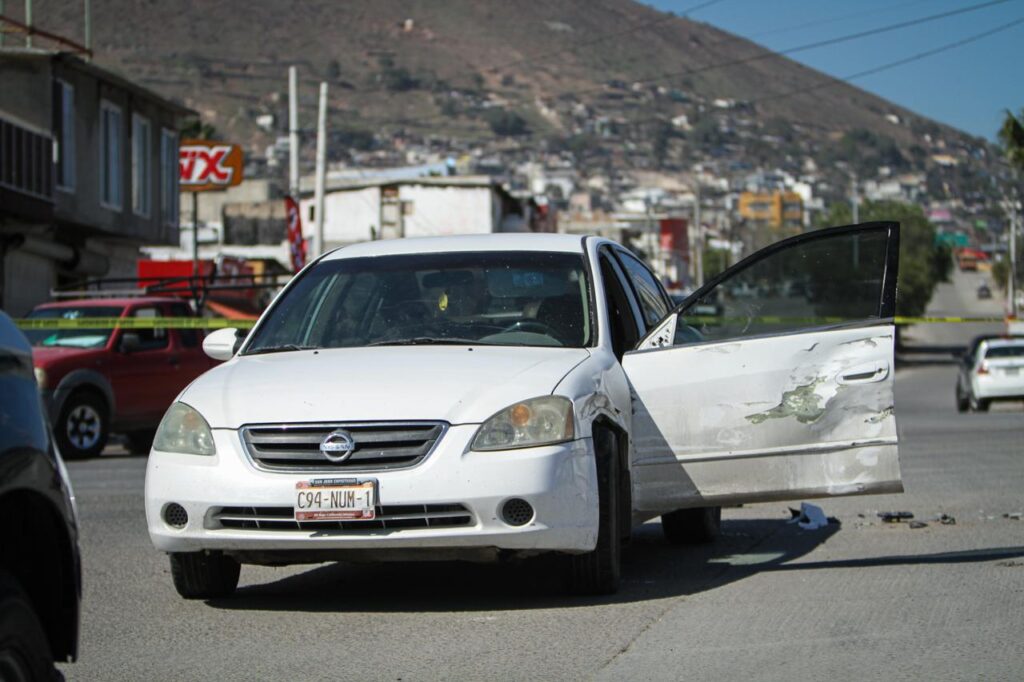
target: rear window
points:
(77, 334)
(1005, 352)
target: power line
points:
(891, 65)
(832, 20)
(767, 54)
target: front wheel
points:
(598, 571)
(692, 526)
(204, 575)
(963, 403)
(24, 649)
(82, 426)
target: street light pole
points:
(1011, 288)
(321, 169)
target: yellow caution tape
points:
(133, 323)
(223, 323)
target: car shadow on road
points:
(652, 569)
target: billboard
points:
(207, 166)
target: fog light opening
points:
(175, 515)
(516, 512)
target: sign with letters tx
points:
(207, 166)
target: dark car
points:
(95, 381)
(40, 567)
(984, 291)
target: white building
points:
(421, 207)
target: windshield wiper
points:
(428, 340)
(283, 348)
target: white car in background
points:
(485, 397)
(992, 369)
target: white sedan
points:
(992, 369)
(486, 397)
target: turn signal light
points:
(983, 368)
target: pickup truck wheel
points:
(692, 526)
(24, 649)
(598, 572)
(82, 426)
(140, 442)
(204, 575)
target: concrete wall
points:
(27, 281)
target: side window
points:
(150, 339)
(189, 337)
(624, 327)
(812, 281)
(648, 292)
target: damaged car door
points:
(783, 394)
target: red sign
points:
(673, 236)
(208, 166)
(296, 244)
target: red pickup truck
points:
(94, 381)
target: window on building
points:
(111, 178)
(142, 165)
(64, 108)
(26, 160)
(169, 173)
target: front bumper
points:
(559, 481)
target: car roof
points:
(520, 241)
(107, 302)
(1004, 341)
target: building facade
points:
(88, 174)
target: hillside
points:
(601, 78)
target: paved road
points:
(864, 599)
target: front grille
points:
(389, 517)
(379, 446)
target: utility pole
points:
(1011, 288)
(293, 134)
(321, 168)
(28, 22)
(698, 247)
(855, 200)
(88, 28)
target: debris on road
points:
(895, 516)
(918, 524)
(810, 517)
(1013, 516)
(947, 520)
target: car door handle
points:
(865, 374)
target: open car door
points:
(775, 380)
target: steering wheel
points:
(530, 325)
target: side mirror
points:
(130, 342)
(221, 344)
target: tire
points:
(696, 526)
(24, 649)
(598, 571)
(83, 426)
(140, 442)
(982, 405)
(204, 575)
(962, 401)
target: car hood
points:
(457, 384)
(45, 356)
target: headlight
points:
(184, 430)
(539, 421)
(40, 377)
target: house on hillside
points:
(88, 173)
(419, 207)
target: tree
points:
(919, 270)
(196, 129)
(1011, 135)
(504, 122)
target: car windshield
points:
(75, 338)
(473, 298)
(1014, 351)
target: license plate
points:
(332, 499)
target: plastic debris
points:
(895, 516)
(810, 517)
(1013, 516)
(947, 520)
(918, 524)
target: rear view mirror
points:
(221, 344)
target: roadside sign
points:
(207, 166)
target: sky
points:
(969, 87)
